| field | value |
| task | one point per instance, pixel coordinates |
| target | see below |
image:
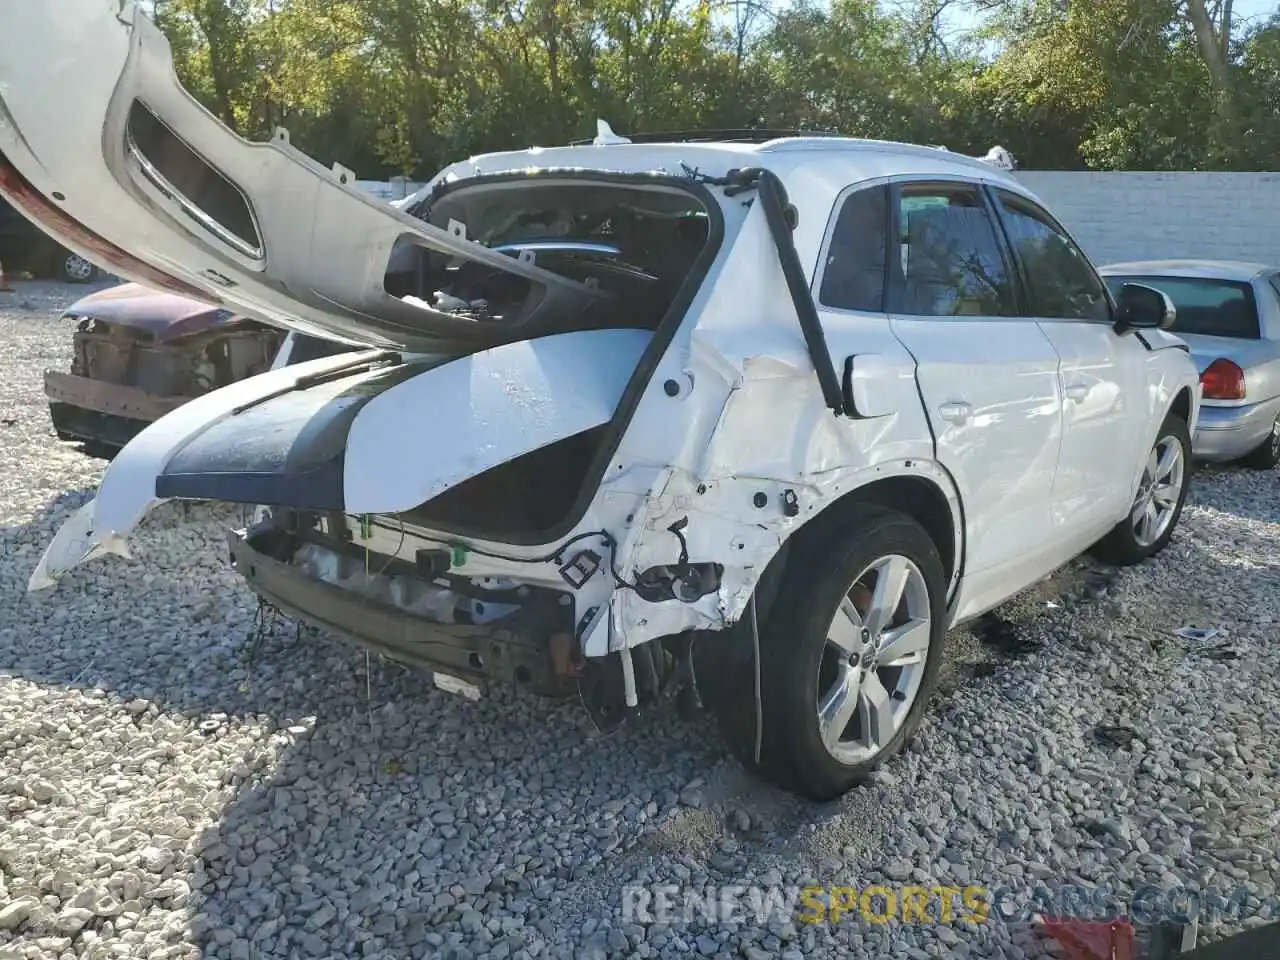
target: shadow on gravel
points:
(375, 814)
(1240, 491)
(370, 808)
(22, 546)
(406, 815)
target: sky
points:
(962, 18)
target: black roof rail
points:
(715, 136)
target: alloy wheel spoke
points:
(1168, 460)
(845, 632)
(1139, 509)
(891, 581)
(875, 712)
(906, 643)
(1166, 496)
(1149, 519)
(838, 706)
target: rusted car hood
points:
(165, 315)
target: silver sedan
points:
(1229, 315)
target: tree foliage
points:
(393, 87)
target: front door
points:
(988, 378)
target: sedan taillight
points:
(1222, 380)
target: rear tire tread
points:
(815, 577)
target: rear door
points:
(1102, 374)
(988, 378)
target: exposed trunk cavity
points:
(634, 242)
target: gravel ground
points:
(163, 795)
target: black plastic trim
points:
(773, 200)
(318, 489)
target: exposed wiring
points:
(391, 557)
(557, 555)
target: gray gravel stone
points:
(164, 796)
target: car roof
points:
(863, 158)
(1204, 269)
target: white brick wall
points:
(1155, 216)
(1134, 216)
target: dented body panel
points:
(606, 467)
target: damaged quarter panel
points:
(763, 454)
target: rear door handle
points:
(1077, 391)
(957, 411)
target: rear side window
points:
(950, 261)
(1217, 308)
(1061, 283)
(854, 275)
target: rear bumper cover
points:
(515, 649)
(114, 399)
(1227, 433)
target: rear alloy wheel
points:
(76, 269)
(850, 653)
(1155, 510)
(1267, 454)
(873, 663)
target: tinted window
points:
(854, 276)
(950, 261)
(1061, 283)
(1220, 308)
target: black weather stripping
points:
(773, 198)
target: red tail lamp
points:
(1222, 380)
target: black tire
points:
(1267, 454)
(72, 268)
(820, 572)
(1122, 546)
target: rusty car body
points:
(140, 353)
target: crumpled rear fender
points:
(755, 432)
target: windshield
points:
(1216, 308)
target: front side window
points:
(1216, 308)
(853, 277)
(1061, 283)
(948, 254)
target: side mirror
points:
(1140, 307)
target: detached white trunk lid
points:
(354, 433)
(102, 147)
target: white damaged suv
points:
(755, 420)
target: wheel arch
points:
(928, 497)
(1181, 405)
